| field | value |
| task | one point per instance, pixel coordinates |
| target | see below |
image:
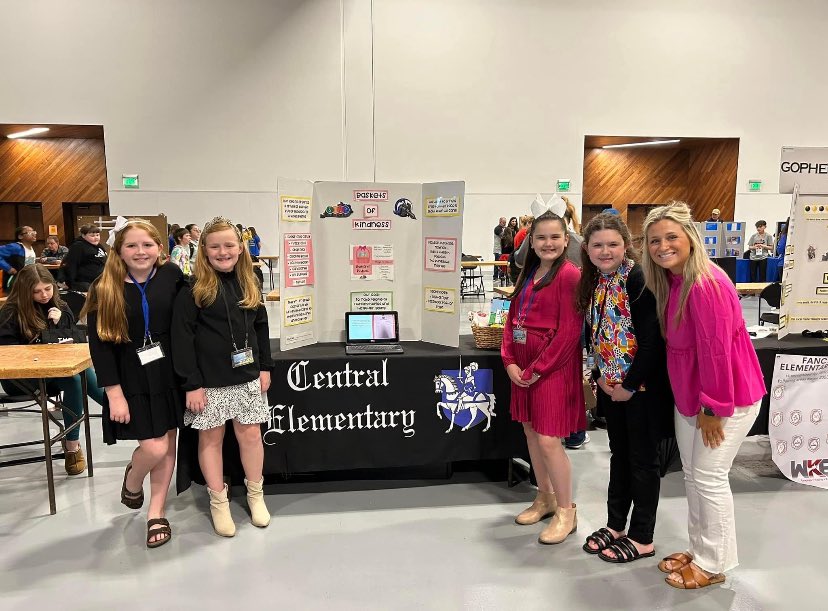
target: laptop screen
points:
(371, 327)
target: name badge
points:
(150, 352)
(590, 362)
(240, 358)
(519, 335)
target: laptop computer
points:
(372, 333)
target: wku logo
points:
(810, 468)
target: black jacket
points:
(201, 341)
(83, 263)
(10, 333)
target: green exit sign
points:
(564, 184)
(130, 181)
(755, 185)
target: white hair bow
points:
(120, 223)
(555, 205)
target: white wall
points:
(219, 97)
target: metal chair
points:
(772, 294)
(471, 280)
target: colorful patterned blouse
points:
(612, 334)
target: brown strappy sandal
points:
(693, 578)
(133, 500)
(162, 528)
(674, 562)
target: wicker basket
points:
(488, 338)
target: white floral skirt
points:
(242, 402)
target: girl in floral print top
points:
(627, 359)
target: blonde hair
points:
(106, 295)
(206, 287)
(697, 269)
(526, 220)
(572, 215)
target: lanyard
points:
(521, 318)
(230, 322)
(142, 288)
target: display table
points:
(330, 411)
(41, 362)
(766, 350)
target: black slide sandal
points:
(602, 537)
(624, 551)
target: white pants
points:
(711, 523)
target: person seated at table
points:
(14, 256)
(54, 252)
(33, 306)
(85, 260)
(180, 254)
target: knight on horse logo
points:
(465, 400)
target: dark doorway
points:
(18, 214)
(73, 210)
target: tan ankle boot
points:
(220, 512)
(564, 523)
(544, 505)
(74, 462)
(259, 515)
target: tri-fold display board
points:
(369, 247)
(804, 172)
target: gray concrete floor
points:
(416, 544)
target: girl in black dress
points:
(222, 351)
(129, 314)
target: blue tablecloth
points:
(772, 274)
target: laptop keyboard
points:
(373, 349)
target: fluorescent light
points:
(648, 143)
(29, 132)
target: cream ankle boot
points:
(220, 512)
(564, 523)
(544, 505)
(259, 515)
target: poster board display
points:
(798, 420)
(805, 166)
(297, 278)
(804, 303)
(733, 236)
(370, 246)
(713, 238)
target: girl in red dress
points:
(542, 354)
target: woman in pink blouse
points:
(716, 380)
(542, 354)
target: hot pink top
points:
(709, 355)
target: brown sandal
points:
(692, 578)
(133, 500)
(162, 527)
(674, 562)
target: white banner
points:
(798, 412)
(805, 166)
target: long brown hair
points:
(207, 284)
(106, 295)
(532, 259)
(589, 272)
(697, 269)
(21, 304)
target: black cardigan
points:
(201, 341)
(10, 333)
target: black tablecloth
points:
(766, 350)
(330, 411)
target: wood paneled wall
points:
(712, 179)
(53, 171)
(703, 175)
